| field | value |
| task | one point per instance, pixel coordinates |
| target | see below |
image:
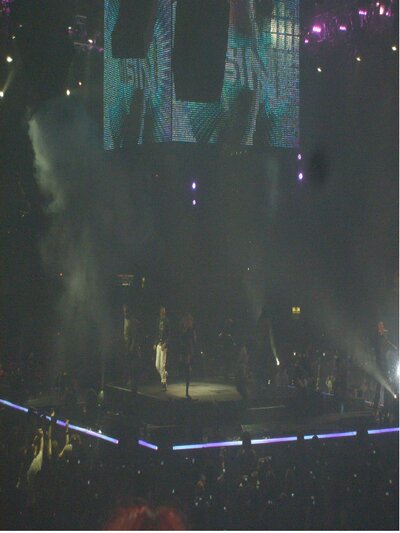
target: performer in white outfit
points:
(161, 346)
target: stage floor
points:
(205, 391)
(217, 408)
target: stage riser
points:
(172, 412)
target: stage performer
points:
(131, 327)
(188, 345)
(161, 346)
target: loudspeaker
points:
(133, 31)
(198, 60)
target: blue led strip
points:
(91, 433)
(280, 439)
(147, 444)
(207, 445)
(14, 406)
(383, 430)
(223, 444)
(274, 440)
(332, 435)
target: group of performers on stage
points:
(265, 359)
(160, 347)
(234, 357)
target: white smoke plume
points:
(98, 226)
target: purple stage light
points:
(342, 27)
(383, 430)
(274, 440)
(194, 185)
(194, 202)
(382, 10)
(306, 41)
(98, 435)
(301, 176)
(332, 435)
(147, 444)
(316, 28)
(207, 445)
(14, 406)
(278, 439)
(299, 157)
(363, 12)
(90, 432)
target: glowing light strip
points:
(147, 444)
(99, 435)
(90, 432)
(207, 445)
(279, 439)
(332, 435)
(273, 441)
(383, 430)
(14, 406)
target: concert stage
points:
(217, 412)
(216, 416)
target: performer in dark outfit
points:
(161, 346)
(131, 327)
(188, 344)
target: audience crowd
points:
(55, 479)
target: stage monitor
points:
(258, 102)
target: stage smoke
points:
(98, 226)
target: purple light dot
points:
(316, 29)
(342, 27)
(194, 185)
(194, 202)
(299, 157)
(362, 12)
(300, 176)
(306, 41)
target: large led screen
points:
(259, 100)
